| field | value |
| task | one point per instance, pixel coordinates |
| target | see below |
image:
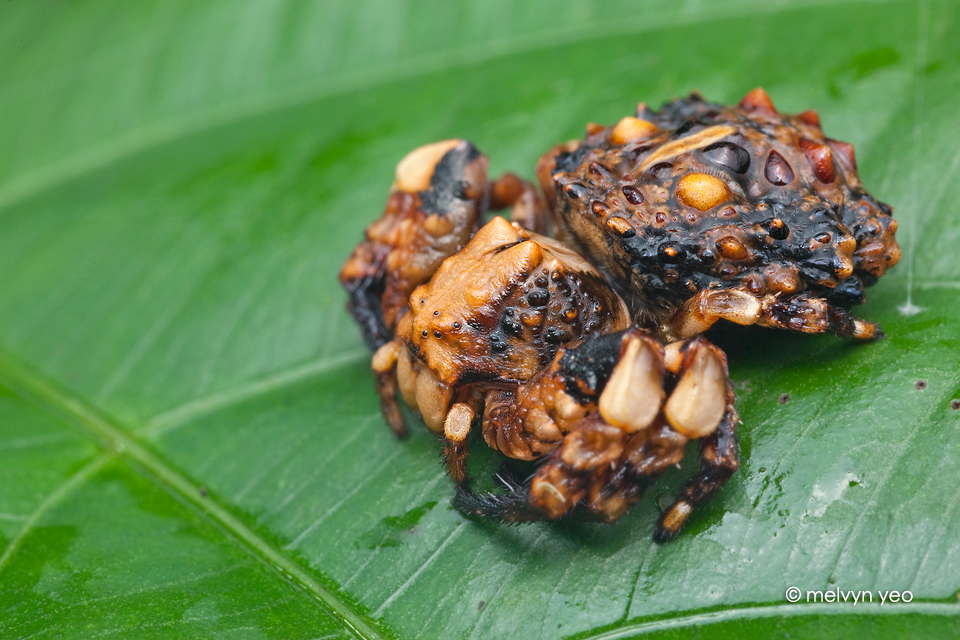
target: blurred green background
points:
(190, 445)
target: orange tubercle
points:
(630, 129)
(702, 191)
(758, 100)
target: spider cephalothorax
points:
(583, 348)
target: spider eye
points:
(701, 191)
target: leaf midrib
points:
(632, 630)
(114, 440)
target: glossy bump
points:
(671, 253)
(729, 155)
(621, 227)
(631, 129)
(820, 159)
(758, 100)
(632, 195)
(777, 170)
(731, 248)
(702, 191)
(845, 151)
(810, 117)
(599, 208)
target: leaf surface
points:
(190, 443)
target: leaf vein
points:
(76, 479)
(116, 441)
(178, 416)
(402, 588)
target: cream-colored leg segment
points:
(384, 363)
(385, 359)
(673, 356)
(456, 428)
(634, 393)
(407, 378)
(433, 400)
(457, 425)
(700, 312)
(699, 400)
(718, 461)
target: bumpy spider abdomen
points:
(699, 196)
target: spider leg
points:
(510, 506)
(614, 491)
(531, 420)
(364, 299)
(433, 208)
(628, 432)
(700, 401)
(586, 465)
(803, 312)
(527, 208)
(384, 365)
(456, 428)
(647, 454)
(809, 314)
(565, 479)
(718, 459)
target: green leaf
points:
(190, 444)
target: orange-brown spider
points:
(571, 333)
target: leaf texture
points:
(190, 444)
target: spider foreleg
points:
(585, 466)
(718, 456)
(456, 428)
(511, 505)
